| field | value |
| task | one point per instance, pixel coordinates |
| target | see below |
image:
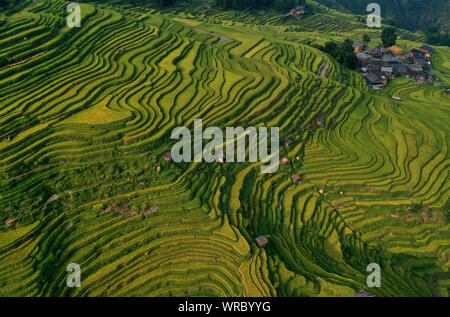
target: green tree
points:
(330, 48)
(366, 39)
(435, 37)
(389, 37)
(342, 52)
(348, 56)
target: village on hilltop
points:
(378, 65)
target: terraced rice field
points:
(86, 116)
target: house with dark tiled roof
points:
(375, 64)
(428, 50)
(420, 78)
(409, 59)
(423, 62)
(415, 52)
(387, 69)
(390, 60)
(415, 68)
(374, 80)
(400, 70)
(363, 57)
(374, 52)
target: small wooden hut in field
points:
(295, 178)
(287, 142)
(262, 241)
(167, 156)
(297, 12)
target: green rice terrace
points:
(86, 115)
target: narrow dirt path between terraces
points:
(221, 37)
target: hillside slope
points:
(78, 189)
(407, 14)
